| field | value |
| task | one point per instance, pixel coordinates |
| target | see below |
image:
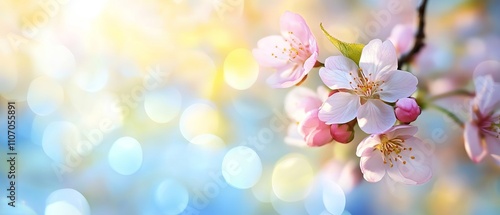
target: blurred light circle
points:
(292, 177)
(163, 105)
(54, 60)
(83, 11)
(240, 69)
(171, 197)
(262, 191)
(241, 167)
(66, 201)
(44, 96)
(198, 70)
(38, 126)
(333, 197)
(346, 212)
(8, 73)
(60, 138)
(125, 155)
(92, 79)
(314, 201)
(208, 141)
(252, 105)
(20, 209)
(197, 119)
(287, 208)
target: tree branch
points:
(449, 114)
(318, 64)
(419, 37)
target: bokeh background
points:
(158, 107)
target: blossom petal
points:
(487, 94)
(396, 84)
(336, 73)
(293, 137)
(402, 131)
(318, 137)
(402, 36)
(489, 67)
(415, 165)
(310, 123)
(372, 167)
(493, 144)
(288, 77)
(365, 147)
(473, 143)
(310, 62)
(292, 22)
(378, 57)
(341, 107)
(375, 116)
(396, 175)
(322, 92)
(299, 101)
(267, 49)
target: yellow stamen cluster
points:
(363, 85)
(494, 127)
(295, 52)
(391, 150)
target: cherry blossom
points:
(396, 152)
(302, 106)
(482, 131)
(365, 90)
(402, 36)
(292, 54)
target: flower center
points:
(365, 86)
(391, 150)
(295, 51)
(491, 126)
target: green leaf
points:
(350, 50)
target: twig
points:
(419, 37)
(319, 64)
(449, 114)
(460, 92)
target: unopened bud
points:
(342, 133)
(407, 110)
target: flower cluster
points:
(364, 88)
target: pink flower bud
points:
(316, 132)
(407, 110)
(342, 133)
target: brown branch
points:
(419, 37)
(318, 64)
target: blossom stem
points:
(460, 92)
(319, 64)
(448, 113)
(419, 37)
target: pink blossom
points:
(365, 89)
(407, 110)
(403, 37)
(395, 152)
(488, 67)
(342, 133)
(481, 132)
(302, 106)
(293, 54)
(315, 131)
